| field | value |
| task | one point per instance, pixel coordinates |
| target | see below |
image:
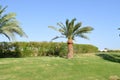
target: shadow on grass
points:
(110, 57)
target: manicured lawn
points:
(82, 67)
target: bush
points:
(117, 51)
(29, 49)
(85, 48)
(8, 50)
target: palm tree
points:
(71, 30)
(9, 26)
(119, 29)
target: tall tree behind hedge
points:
(70, 30)
(9, 26)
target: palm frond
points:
(77, 26)
(84, 30)
(72, 22)
(57, 37)
(2, 9)
(7, 36)
(62, 29)
(9, 26)
(54, 28)
(67, 25)
(83, 36)
(71, 25)
(19, 31)
(61, 24)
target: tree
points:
(71, 30)
(119, 29)
(9, 26)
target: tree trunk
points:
(70, 49)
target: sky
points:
(36, 15)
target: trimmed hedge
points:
(85, 48)
(27, 49)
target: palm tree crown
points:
(71, 30)
(9, 26)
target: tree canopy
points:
(9, 26)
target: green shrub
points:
(8, 50)
(22, 48)
(27, 49)
(85, 48)
(117, 51)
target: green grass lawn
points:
(82, 67)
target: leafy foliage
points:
(8, 50)
(9, 26)
(30, 49)
(71, 30)
(85, 48)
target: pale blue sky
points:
(36, 15)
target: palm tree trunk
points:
(70, 49)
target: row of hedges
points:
(27, 49)
(111, 51)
